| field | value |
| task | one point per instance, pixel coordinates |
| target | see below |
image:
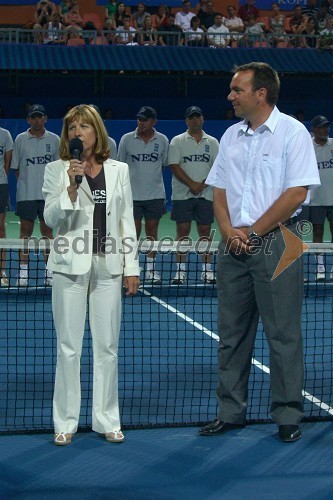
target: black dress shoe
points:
(218, 427)
(289, 433)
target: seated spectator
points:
(297, 24)
(184, 16)
(139, 16)
(125, 34)
(247, 9)
(218, 34)
(63, 8)
(201, 7)
(174, 34)
(73, 18)
(161, 18)
(253, 32)
(322, 17)
(207, 17)
(89, 32)
(74, 36)
(54, 33)
(195, 35)
(149, 34)
(310, 41)
(110, 12)
(120, 14)
(276, 25)
(234, 24)
(42, 15)
(326, 36)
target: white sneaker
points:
(4, 281)
(153, 277)
(208, 277)
(179, 278)
(22, 280)
(48, 277)
(320, 276)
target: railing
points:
(187, 39)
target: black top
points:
(98, 191)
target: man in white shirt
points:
(184, 16)
(234, 24)
(218, 34)
(321, 204)
(264, 169)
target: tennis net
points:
(168, 346)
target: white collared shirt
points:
(256, 167)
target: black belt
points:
(287, 223)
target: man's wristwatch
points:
(252, 233)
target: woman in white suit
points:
(94, 252)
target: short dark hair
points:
(264, 76)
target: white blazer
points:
(71, 252)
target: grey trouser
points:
(245, 291)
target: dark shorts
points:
(3, 198)
(149, 209)
(318, 215)
(30, 210)
(197, 209)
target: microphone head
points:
(75, 144)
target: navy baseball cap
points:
(146, 112)
(192, 110)
(320, 121)
(36, 109)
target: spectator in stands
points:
(120, 14)
(310, 9)
(326, 36)
(201, 6)
(207, 18)
(322, 17)
(139, 16)
(42, 15)
(191, 156)
(310, 40)
(297, 25)
(218, 35)
(195, 35)
(73, 18)
(161, 18)
(174, 34)
(110, 12)
(276, 25)
(184, 16)
(63, 8)
(146, 151)
(6, 148)
(54, 33)
(253, 33)
(247, 9)
(98, 210)
(125, 34)
(33, 149)
(148, 35)
(234, 24)
(321, 204)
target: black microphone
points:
(75, 149)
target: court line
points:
(255, 362)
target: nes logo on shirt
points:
(99, 195)
(205, 158)
(152, 157)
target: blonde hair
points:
(87, 114)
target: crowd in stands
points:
(310, 26)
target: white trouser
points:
(69, 300)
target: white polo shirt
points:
(6, 144)
(256, 167)
(323, 196)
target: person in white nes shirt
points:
(32, 151)
(264, 170)
(6, 148)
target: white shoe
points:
(320, 276)
(22, 280)
(153, 277)
(179, 278)
(48, 277)
(208, 277)
(4, 281)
